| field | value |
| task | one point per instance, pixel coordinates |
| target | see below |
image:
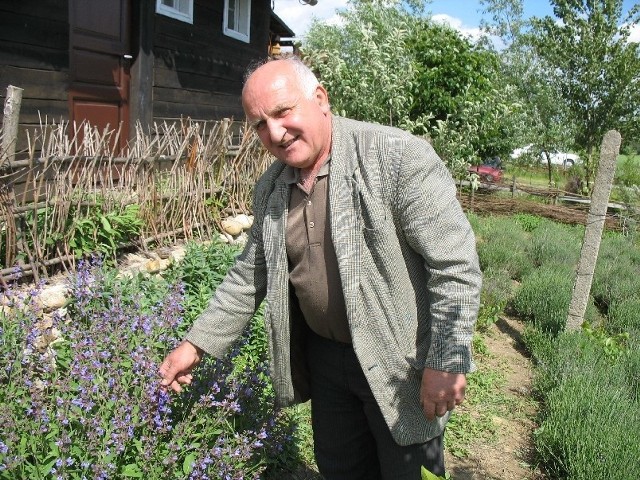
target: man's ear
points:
(322, 99)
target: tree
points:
(594, 66)
(364, 62)
(385, 63)
(545, 122)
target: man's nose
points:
(276, 130)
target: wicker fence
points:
(177, 181)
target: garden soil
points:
(510, 455)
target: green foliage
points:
(500, 247)
(431, 81)
(201, 271)
(594, 67)
(497, 289)
(591, 410)
(427, 475)
(483, 388)
(628, 171)
(100, 232)
(555, 244)
(544, 297)
(527, 221)
(616, 284)
(588, 381)
(80, 395)
(368, 78)
(622, 315)
(613, 346)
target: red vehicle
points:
(487, 173)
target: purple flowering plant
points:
(79, 396)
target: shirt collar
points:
(291, 175)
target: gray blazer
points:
(408, 264)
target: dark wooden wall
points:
(34, 55)
(195, 70)
(198, 70)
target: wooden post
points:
(10, 124)
(593, 232)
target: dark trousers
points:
(351, 439)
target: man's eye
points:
(284, 112)
(259, 126)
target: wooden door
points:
(99, 64)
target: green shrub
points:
(100, 232)
(591, 413)
(88, 405)
(527, 221)
(544, 296)
(555, 244)
(497, 289)
(616, 276)
(500, 247)
(624, 316)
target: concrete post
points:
(593, 232)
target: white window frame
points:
(184, 14)
(243, 17)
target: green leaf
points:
(45, 469)
(132, 470)
(106, 225)
(427, 475)
(187, 465)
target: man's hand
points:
(176, 368)
(441, 392)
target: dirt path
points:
(509, 457)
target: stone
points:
(231, 227)
(178, 254)
(53, 297)
(241, 239)
(243, 220)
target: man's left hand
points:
(441, 392)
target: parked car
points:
(562, 159)
(487, 173)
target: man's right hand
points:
(176, 368)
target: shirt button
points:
(308, 202)
(311, 224)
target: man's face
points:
(294, 128)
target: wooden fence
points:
(180, 178)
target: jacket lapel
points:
(345, 222)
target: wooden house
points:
(120, 62)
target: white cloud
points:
(298, 16)
(635, 34)
(473, 33)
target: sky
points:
(463, 15)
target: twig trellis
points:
(183, 177)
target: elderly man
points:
(369, 268)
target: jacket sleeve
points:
(242, 290)
(437, 229)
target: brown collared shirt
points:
(313, 266)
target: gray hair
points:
(307, 81)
